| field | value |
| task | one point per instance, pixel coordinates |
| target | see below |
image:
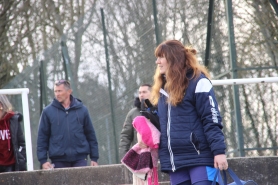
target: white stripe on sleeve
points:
(203, 85)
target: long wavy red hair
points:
(180, 59)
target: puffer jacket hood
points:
(137, 103)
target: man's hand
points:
(47, 166)
(93, 163)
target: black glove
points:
(150, 112)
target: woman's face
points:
(1, 111)
(162, 64)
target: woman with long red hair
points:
(192, 142)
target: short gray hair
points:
(65, 82)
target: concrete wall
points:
(263, 170)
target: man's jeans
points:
(64, 164)
(9, 168)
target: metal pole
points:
(274, 4)
(157, 33)
(109, 83)
(41, 87)
(43, 99)
(244, 81)
(27, 130)
(209, 26)
(67, 67)
(233, 60)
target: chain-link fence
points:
(132, 35)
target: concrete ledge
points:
(101, 175)
(263, 170)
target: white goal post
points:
(26, 118)
(244, 81)
(27, 131)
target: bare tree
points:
(31, 32)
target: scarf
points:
(143, 162)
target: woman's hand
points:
(140, 142)
(220, 161)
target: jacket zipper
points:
(162, 91)
(169, 139)
(198, 151)
(68, 130)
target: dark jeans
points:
(197, 183)
(6, 168)
(62, 164)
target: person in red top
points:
(12, 143)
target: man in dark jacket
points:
(66, 134)
(128, 135)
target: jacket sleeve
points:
(91, 137)
(207, 109)
(126, 136)
(20, 136)
(22, 149)
(43, 138)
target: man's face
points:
(62, 93)
(144, 92)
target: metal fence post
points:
(67, 67)
(110, 88)
(233, 60)
(157, 33)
